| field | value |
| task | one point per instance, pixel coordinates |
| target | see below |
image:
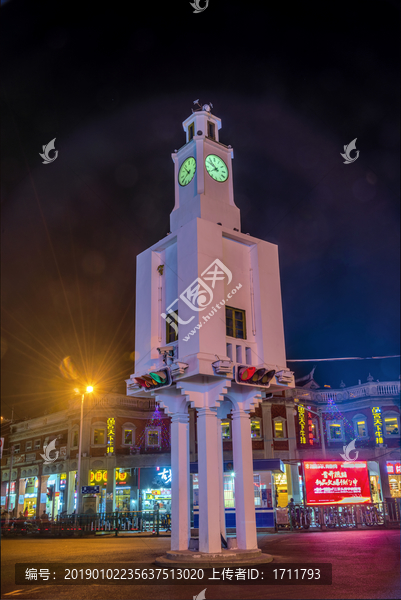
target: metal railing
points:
(346, 516)
(153, 522)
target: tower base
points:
(225, 558)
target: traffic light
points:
(50, 493)
(155, 379)
(253, 376)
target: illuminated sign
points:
(378, 424)
(63, 481)
(98, 477)
(337, 482)
(166, 475)
(393, 468)
(111, 434)
(305, 426)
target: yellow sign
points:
(378, 424)
(111, 434)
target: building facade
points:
(127, 452)
(119, 436)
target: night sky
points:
(292, 82)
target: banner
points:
(338, 482)
(1, 447)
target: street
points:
(366, 564)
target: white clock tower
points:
(209, 333)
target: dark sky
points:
(292, 82)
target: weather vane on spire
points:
(206, 107)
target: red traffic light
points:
(253, 376)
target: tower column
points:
(243, 467)
(180, 509)
(220, 462)
(209, 489)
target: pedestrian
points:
(45, 516)
(26, 513)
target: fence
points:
(346, 516)
(153, 522)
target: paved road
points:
(366, 564)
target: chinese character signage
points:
(378, 424)
(337, 482)
(111, 434)
(302, 425)
(394, 468)
(305, 426)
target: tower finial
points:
(205, 107)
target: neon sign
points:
(166, 475)
(378, 424)
(111, 433)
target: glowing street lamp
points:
(89, 389)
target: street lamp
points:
(319, 415)
(89, 389)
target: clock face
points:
(187, 171)
(216, 167)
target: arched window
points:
(74, 437)
(360, 426)
(279, 428)
(98, 434)
(256, 428)
(226, 429)
(391, 424)
(335, 429)
(128, 434)
(315, 431)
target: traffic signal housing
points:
(155, 379)
(253, 376)
(50, 491)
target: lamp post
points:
(89, 389)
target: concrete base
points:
(225, 558)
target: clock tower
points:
(209, 335)
(203, 174)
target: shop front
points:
(394, 478)
(99, 477)
(125, 490)
(31, 495)
(12, 499)
(262, 491)
(155, 489)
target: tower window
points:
(235, 323)
(172, 328)
(191, 131)
(211, 130)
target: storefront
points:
(125, 490)
(13, 497)
(394, 478)
(99, 477)
(262, 491)
(155, 489)
(31, 495)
